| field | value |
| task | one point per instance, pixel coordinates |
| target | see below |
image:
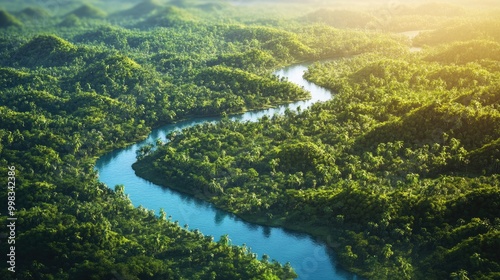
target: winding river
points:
(310, 258)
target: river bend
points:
(310, 258)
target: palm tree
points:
(459, 275)
(120, 190)
(224, 240)
(214, 187)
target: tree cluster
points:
(400, 168)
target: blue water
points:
(310, 258)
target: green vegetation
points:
(399, 172)
(341, 18)
(463, 31)
(8, 20)
(31, 13)
(88, 11)
(400, 168)
(141, 9)
(70, 93)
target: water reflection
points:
(252, 227)
(266, 231)
(219, 217)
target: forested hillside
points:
(69, 93)
(398, 173)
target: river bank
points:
(311, 257)
(323, 234)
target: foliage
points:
(141, 9)
(341, 18)
(331, 42)
(73, 91)
(31, 13)
(81, 82)
(169, 16)
(88, 11)
(400, 167)
(7, 20)
(462, 31)
(465, 52)
(45, 50)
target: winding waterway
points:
(310, 258)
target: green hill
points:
(32, 13)
(70, 21)
(7, 20)
(431, 9)
(47, 50)
(212, 6)
(142, 9)
(473, 30)
(87, 11)
(169, 16)
(340, 18)
(115, 74)
(110, 35)
(464, 52)
(426, 125)
(181, 3)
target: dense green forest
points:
(398, 173)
